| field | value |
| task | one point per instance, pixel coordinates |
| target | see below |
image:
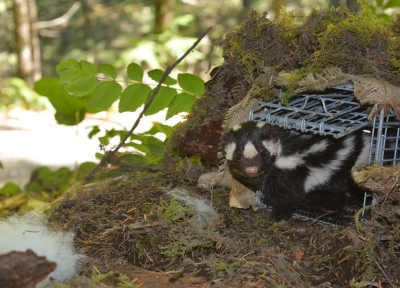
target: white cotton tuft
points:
(30, 231)
(203, 209)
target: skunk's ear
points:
(226, 138)
(269, 132)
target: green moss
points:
(173, 212)
(280, 226)
(263, 241)
(188, 238)
(222, 266)
(259, 220)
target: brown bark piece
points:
(23, 269)
(203, 141)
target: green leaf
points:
(70, 119)
(61, 178)
(133, 97)
(155, 160)
(384, 16)
(157, 74)
(108, 70)
(161, 101)
(94, 131)
(68, 70)
(88, 68)
(156, 146)
(135, 72)
(114, 173)
(139, 147)
(379, 3)
(182, 102)
(70, 110)
(133, 158)
(160, 128)
(392, 4)
(33, 187)
(105, 95)
(44, 177)
(191, 83)
(10, 189)
(79, 78)
(81, 86)
(74, 64)
(84, 169)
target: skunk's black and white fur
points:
(292, 168)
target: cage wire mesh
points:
(385, 139)
(334, 112)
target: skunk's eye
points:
(263, 154)
(238, 156)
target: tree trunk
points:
(87, 9)
(26, 40)
(35, 44)
(162, 13)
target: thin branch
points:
(63, 20)
(110, 155)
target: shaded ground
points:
(161, 237)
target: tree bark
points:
(35, 43)
(26, 40)
(22, 40)
(162, 13)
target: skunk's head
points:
(250, 148)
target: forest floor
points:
(144, 232)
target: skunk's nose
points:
(251, 170)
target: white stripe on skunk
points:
(292, 168)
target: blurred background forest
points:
(37, 35)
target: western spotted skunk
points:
(292, 168)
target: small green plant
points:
(43, 187)
(84, 87)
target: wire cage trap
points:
(335, 112)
